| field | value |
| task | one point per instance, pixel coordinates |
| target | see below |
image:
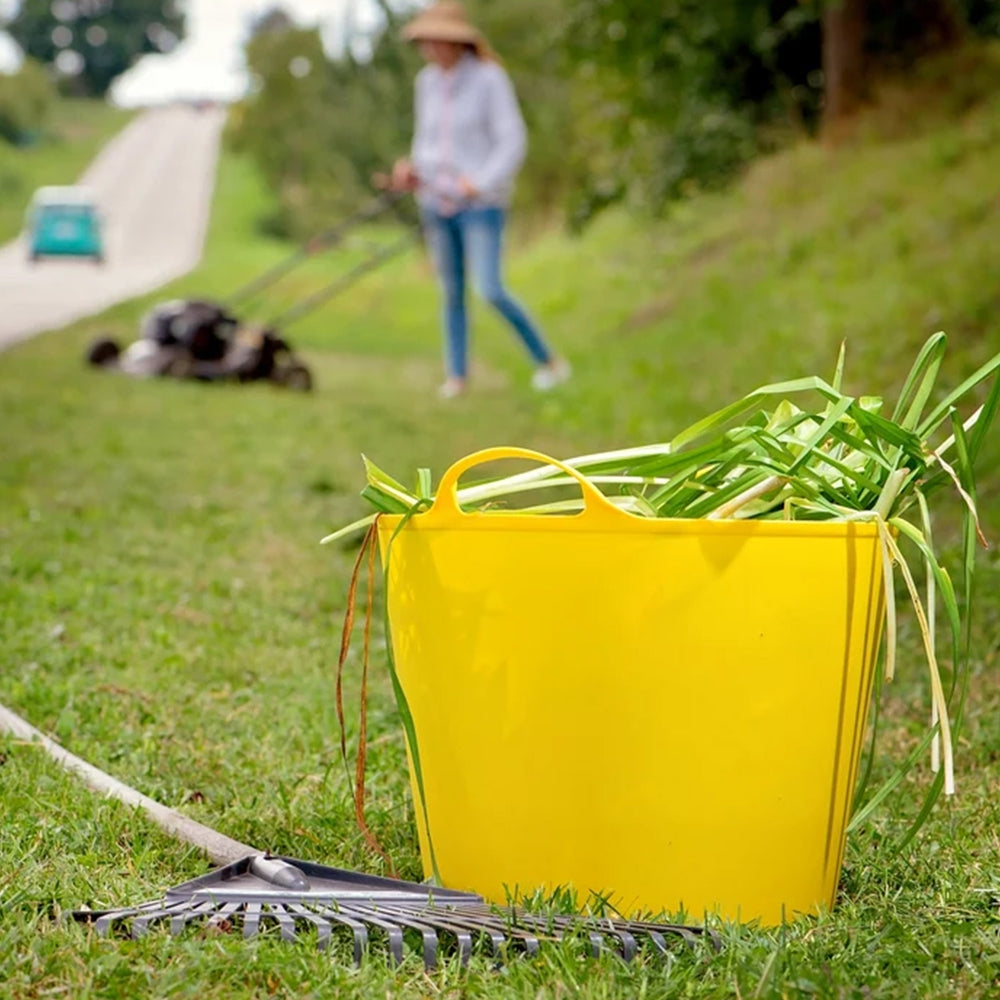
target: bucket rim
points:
(628, 524)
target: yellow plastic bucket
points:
(667, 712)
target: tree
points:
(318, 128)
(90, 43)
(861, 36)
(273, 21)
(689, 90)
(281, 124)
(678, 92)
(844, 71)
(25, 98)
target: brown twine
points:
(369, 546)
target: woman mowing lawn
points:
(468, 145)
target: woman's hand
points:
(467, 189)
(404, 177)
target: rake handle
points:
(222, 850)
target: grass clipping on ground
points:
(765, 457)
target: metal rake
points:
(260, 892)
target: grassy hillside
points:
(169, 615)
(76, 131)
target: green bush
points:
(25, 101)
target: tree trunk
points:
(844, 78)
(944, 25)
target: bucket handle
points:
(595, 504)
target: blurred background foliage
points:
(89, 43)
(641, 101)
(629, 100)
(25, 102)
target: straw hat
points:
(445, 21)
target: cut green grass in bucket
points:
(766, 457)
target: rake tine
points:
(559, 925)
(322, 925)
(439, 919)
(625, 931)
(496, 938)
(659, 942)
(251, 920)
(424, 921)
(394, 932)
(463, 937)
(464, 922)
(563, 925)
(596, 943)
(509, 928)
(189, 915)
(358, 930)
(546, 926)
(608, 927)
(105, 921)
(690, 935)
(463, 926)
(227, 912)
(530, 935)
(629, 945)
(286, 924)
(404, 917)
(140, 925)
(691, 939)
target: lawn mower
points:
(207, 341)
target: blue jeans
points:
(473, 239)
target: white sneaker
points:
(549, 376)
(451, 387)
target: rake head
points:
(259, 892)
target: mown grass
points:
(75, 132)
(169, 616)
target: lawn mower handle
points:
(334, 234)
(284, 319)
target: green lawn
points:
(76, 131)
(168, 614)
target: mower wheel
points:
(103, 352)
(294, 376)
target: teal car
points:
(64, 222)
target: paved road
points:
(154, 183)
